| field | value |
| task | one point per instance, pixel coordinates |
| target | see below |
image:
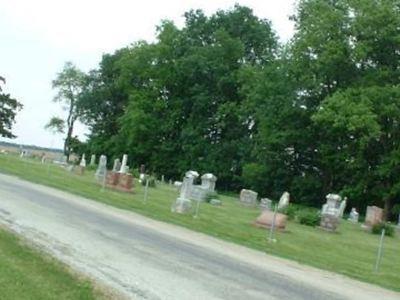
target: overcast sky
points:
(37, 37)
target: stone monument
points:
(284, 201)
(116, 165)
(266, 219)
(373, 216)
(124, 168)
(330, 212)
(183, 203)
(266, 204)
(101, 168)
(353, 216)
(248, 197)
(208, 181)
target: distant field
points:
(351, 251)
(27, 274)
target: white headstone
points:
(342, 207)
(208, 181)
(83, 161)
(124, 166)
(117, 165)
(101, 168)
(248, 197)
(353, 216)
(266, 204)
(183, 203)
(284, 200)
(331, 207)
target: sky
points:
(38, 37)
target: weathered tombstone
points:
(124, 168)
(101, 168)
(266, 204)
(208, 181)
(248, 197)
(330, 212)
(353, 216)
(93, 160)
(170, 182)
(80, 170)
(183, 203)
(178, 185)
(83, 161)
(125, 182)
(373, 216)
(342, 207)
(266, 220)
(117, 165)
(162, 179)
(284, 201)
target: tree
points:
(55, 125)
(69, 83)
(8, 110)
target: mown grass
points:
(351, 251)
(26, 273)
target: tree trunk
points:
(386, 208)
(67, 150)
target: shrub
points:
(210, 196)
(309, 217)
(151, 179)
(290, 211)
(377, 229)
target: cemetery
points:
(338, 242)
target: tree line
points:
(222, 94)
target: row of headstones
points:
(331, 213)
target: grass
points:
(26, 273)
(351, 251)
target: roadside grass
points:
(26, 273)
(351, 251)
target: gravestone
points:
(248, 197)
(101, 168)
(208, 181)
(353, 216)
(266, 218)
(83, 161)
(266, 204)
(215, 202)
(125, 182)
(116, 165)
(93, 160)
(183, 203)
(342, 207)
(124, 168)
(373, 216)
(330, 213)
(284, 201)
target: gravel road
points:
(146, 259)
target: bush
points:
(210, 196)
(290, 211)
(151, 179)
(309, 217)
(377, 229)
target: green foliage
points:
(69, 84)
(55, 125)
(315, 115)
(309, 217)
(291, 211)
(377, 229)
(8, 111)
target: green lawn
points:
(351, 251)
(27, 274)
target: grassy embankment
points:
(26, 273)
(351, 251)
